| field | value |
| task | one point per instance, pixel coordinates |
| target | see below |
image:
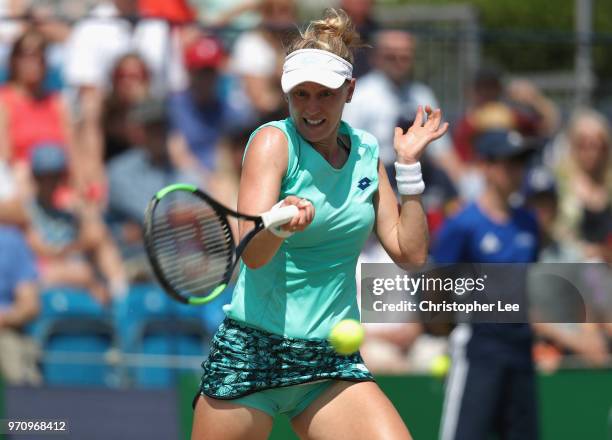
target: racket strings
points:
(193, 244)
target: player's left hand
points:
(410, 146)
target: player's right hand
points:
(304, 216)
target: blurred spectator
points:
(585, 185)
(491, 387)
(176, 11)
(24, 103)
(557, 340)
(361, 13)
(11, 29)
(71, 241)
(237, 14)
(96, 43)
(541, 196)
(12, 208)
(258, 58)
(536, 115)
(199, 114)
(397, 97)
(135, 175)
(18, 306)
(521, 107)
(112, 30)
(387, 347)
(226, 179)
(131, 84)
(486, 111)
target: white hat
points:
(315, 65)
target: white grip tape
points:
(409, 179)
(277, 216)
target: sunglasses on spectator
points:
(395, 57)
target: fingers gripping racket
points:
(190, 244)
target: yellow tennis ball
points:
(346, 336)
(440, 365)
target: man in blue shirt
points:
(18, 306)
(199, 113)
(491, 387)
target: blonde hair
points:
(583, 115)
(334, 33)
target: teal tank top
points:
(309, 285)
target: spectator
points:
(541, 196)
(362, 15)
(491, 387)
(18, 306)
(177, 11)
(226, 178)
(150, 160)
(258, 58)
(24, 103)
(71, 241)
(387, 346)
(548, 298)
(486, 111)
(198, 113)
(397, 97)
(239, 15)
(96, 43)
(585, 185)
(12, 209)
(536, 115)
(131, 84)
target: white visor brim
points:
(315, 65)
(325, 78)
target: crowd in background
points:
(98, 114)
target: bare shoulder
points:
(268, 147)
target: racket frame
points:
(222, 212)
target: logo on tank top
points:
(490, 244)
(364, 183)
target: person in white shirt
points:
(387, 96)
(112, 30)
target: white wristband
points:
(409, 179)
(276, 230)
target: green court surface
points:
(574, 404)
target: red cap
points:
(204, 52)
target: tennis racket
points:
(190, 244)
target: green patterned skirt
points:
(244, 360)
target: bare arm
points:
(24, 309)
(403, 232)
(585, 340)
(74, 160)
(88, 138)
(262, 95)
(5, 143)
(13, 212)
(264, 166)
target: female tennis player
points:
(271, 355)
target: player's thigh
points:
(219, 419)
(350, 410)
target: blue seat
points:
(150, 323)
(76, 335)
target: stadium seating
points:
(76, 336)
(158, 335)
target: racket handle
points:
(279, 216)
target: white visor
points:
(315, 65)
